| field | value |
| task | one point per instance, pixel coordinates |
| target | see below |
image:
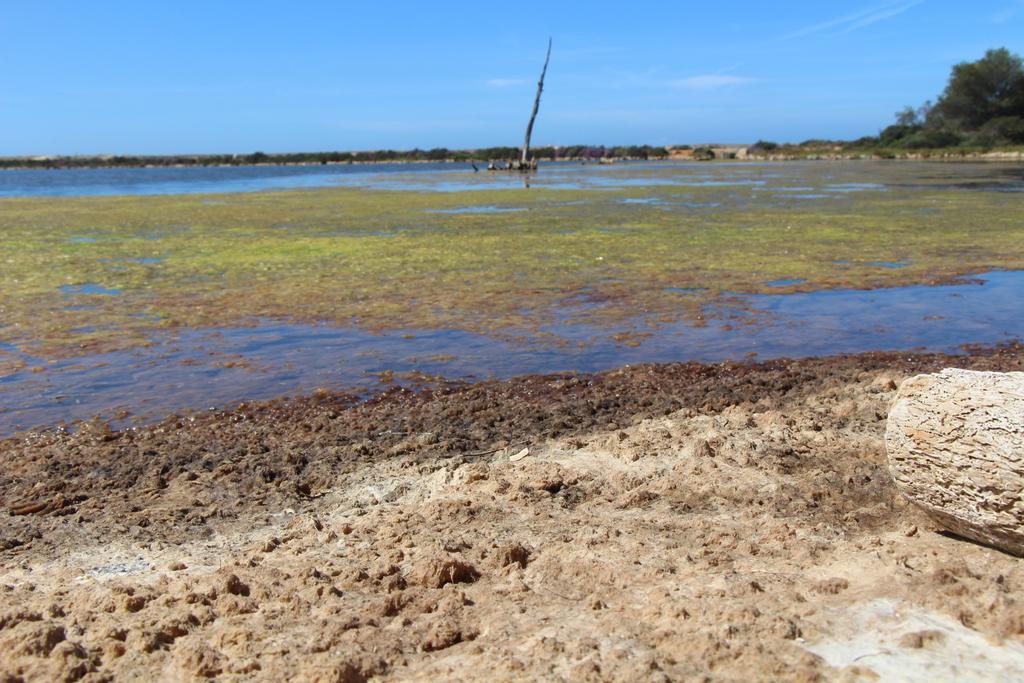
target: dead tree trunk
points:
(524, 161)
(956, 448)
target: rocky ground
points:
(678, 522)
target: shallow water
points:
(187, 180)
(479, 209)
(196, 369)
(89, 288)
(812, 180)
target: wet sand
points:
(686, 521)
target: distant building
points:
(705, 152)
(730, 152)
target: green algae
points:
(388, 259)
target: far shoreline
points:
(940, 155)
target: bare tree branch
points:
(524, 161)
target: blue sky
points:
(189, 77)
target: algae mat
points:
(639, 245)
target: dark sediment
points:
(281, 453)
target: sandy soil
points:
(679, 522)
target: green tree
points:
(978, 92)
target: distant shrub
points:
(1005, 129)
(931, 138)
(703, 154)
(896, 134)
(865, 142)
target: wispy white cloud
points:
(504, 82)
(881, 15)
(856, 20)
(656, 79)
(709, 81)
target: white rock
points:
(955, 441)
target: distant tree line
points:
(438, 154)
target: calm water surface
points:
(189, 180)
(196, 369)
(790, 179)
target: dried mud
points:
(674, 522)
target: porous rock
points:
(955, 441)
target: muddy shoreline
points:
(669, 521)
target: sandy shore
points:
(678, 522)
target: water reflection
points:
(807, 180)
(195, 369)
